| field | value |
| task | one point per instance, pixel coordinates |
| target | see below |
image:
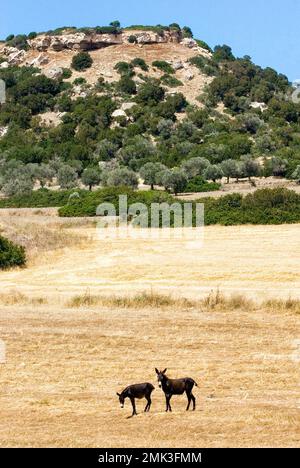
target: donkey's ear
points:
(156, 370)
(164, 371)
(118, 394)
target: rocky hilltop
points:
(93, 41)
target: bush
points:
(139, 62)
(32, 35)
(20, 42)
(11, 254)
(126, 85)
(132, 39)
(198, 184)
(82, 61)
(266, 206)
(170, 81)
(187, 32)
(163, 66)
(67, 73)
(42, 198)
(87, 206)
(124, 68)
(150, 93)
(203, 45)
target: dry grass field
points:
(78, 328)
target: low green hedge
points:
(11, 254)
(266, 206)
(87, 206)
(198, 184)
(42, 198)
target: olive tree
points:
(250, 166)
(213, 172)
(120, 176)
(150, 171)
(20, 184)
(195, 167)
(44, 174)
(67, 177)
(91, 176)
(174, 180)
(229, 168)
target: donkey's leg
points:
(169, 399)
(133, 406)
(194, 401)
(147, 407)
(167, 402)
(149, 403)
(189, 397)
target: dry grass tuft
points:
(217, 301)
(17, 298)
(289, 304)
(139, 301)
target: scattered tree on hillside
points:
(195, 167)
(67, 177)
(121, 176)
(91, 176)
(149, 173)
(229, 168)
(213, 172)
(174, 180)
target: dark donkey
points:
(138, 391)
(176, 387)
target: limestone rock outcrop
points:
(92, 41)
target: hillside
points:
(112, 106)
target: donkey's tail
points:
(195, 383)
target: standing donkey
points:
(138, 391)
(176, 387)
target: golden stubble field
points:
(67, 356)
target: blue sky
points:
(268, 31)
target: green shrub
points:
(163, 66)
(124, 68)
(126, 85)
(11, 254)
(170, 81)
(42, 198)
(67, 73)
(198, 184)
(139, 62)
(32, 35)
(20, 42)
(79, 81)
(132, 39)
(87, 206)
(203, 45)
(82, 61)
(266, 206)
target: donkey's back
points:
(139, 390)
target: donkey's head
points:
(121, 399)
(161, 376)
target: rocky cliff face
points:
(83, 41)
